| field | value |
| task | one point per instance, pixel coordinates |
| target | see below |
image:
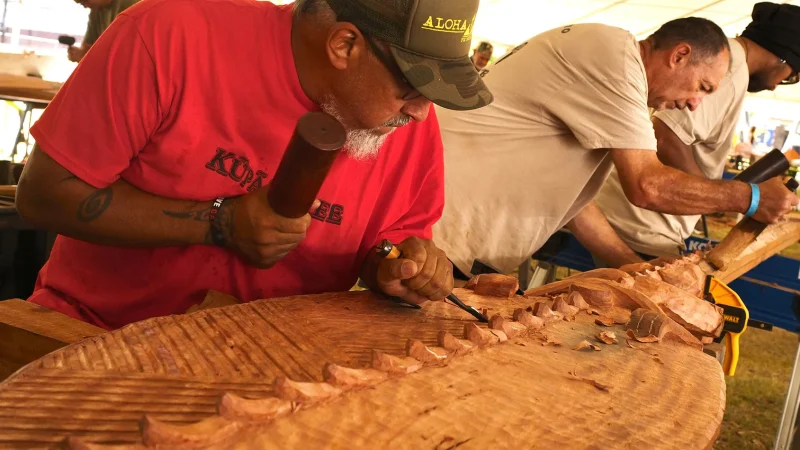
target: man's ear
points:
(345, 45)
(681, 55)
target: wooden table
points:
(27, 89)
(34, 92)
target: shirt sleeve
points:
(106, 112)
(92, 29)
(703, 124)
(425, 203)
(605, 114)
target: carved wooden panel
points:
(236, 377)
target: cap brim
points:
(450, 84)
(794, 61)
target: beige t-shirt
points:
(709, 130)
(521, 168)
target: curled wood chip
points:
(604, 321)
(393, 364)
(496, 285)
(500, 335)
(587, 345)
(544, 311)
(419, 351)
(510, 328)
(621, 319)
(549, 340)
(451, 344)
(607, 337)
(304, 392)
(560, 305)
(528, 319)
(214, 429)
(479, 336)
(236, 408)
(644, 339)
(600, 386)
(576, 299)
(593, 312)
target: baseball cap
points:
(430, 41)
(777, 28)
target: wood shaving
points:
(604, 321)
(607, 338)
(643, 339)
(549, 340)
(600, 386)
(593, 312)
(620, 320)
(587, 345)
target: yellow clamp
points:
(736, 317)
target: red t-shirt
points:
(197, 99)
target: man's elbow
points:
(29, 203)
(645, 193)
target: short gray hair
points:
(706, 38)
(312, 7)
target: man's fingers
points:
(396, 269)
(414, 250)
(444, 279)
(292, 226)
(422, 280)
(279, 238)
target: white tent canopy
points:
(509, 22)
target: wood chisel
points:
(388, 250)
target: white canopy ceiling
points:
(509, 22)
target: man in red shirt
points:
(182, 102)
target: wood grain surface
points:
(29, 331)
(766, 243)
(15, 87)
(159, 383)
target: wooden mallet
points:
(311, 152)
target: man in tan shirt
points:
(569, 104)
(103, 12)
(766, 55)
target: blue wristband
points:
(755, 197)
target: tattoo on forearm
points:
(199, 215)
(95, 205)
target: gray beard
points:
(363, 145)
